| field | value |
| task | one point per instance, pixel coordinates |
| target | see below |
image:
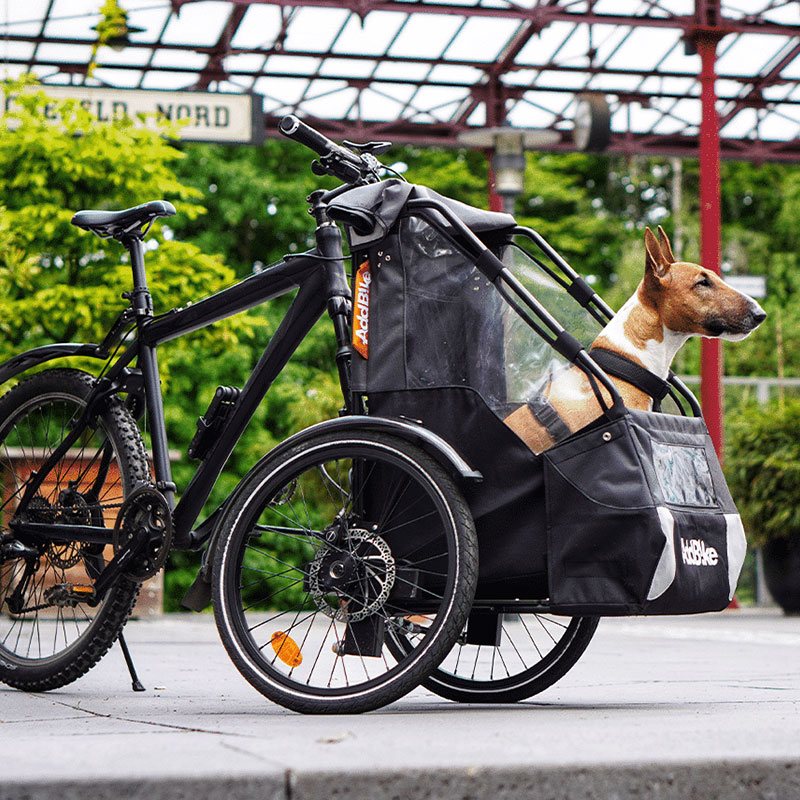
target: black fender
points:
(409, 430)
(32, 358)
(199, 594)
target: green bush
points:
(762, 465)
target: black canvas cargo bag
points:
(640, 520)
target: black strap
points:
(544, 413)
(620, 366)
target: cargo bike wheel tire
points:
(535, 651)
(49, 636)
(330, 553)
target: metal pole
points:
(711, 368)
(495, 201)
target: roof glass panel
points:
(749, 53)
(150, 18)
(127, 57)
(15, 50)
(64, 53)
(283, 93)
(482, 39)
(642, 48)
(569, 80)
(197, 23)
(438, 101)
(167, 80)
(357, 68)
(448, 73)
(23, 19)
(541, 48)
(426, 35)
(179, 58)
(385, 101)
(370, 36)
(126, 78)
(314, 29)
(72, 19)
(395, 70)
(245, 62)
(292, 65)
(326, 99)
(525, 115)
(259, 27)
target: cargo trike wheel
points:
(534, 651)
(329, 551)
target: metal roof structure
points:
(426, 70)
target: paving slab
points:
(673, 707)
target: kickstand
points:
(136, 684)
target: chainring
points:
(144, 508)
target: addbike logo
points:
(696, 552)
(361, 311)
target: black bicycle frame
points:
(321, 280)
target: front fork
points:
(339, 296)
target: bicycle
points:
(344, 567)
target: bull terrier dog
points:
(674, 301)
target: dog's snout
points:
(757, 314)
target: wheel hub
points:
(357, 576)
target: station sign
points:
(203, 116)
(752, 285)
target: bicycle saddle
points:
(118, 223)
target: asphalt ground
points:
(672, 707)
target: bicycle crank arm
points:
(119, 565)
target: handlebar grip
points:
(296, 129)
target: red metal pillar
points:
(711, 349)
(495, 200)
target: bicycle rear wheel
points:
(332, 549)
(49, 633)
(535, 651)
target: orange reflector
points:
(286, 649)
(79, 588)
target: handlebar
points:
(296, 129)
(334, 159)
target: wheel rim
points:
(330, 571)
(41, 626)
(530, 645)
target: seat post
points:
(140, 298)
(147, 361)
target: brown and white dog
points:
(674, 301)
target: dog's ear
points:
(666, 247)
(656, 264)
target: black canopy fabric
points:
(384, 202)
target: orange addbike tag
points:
(361, 310)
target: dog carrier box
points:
(456, 325)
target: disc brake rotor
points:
(359, 576)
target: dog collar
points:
(622, 367)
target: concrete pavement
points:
(678, 707)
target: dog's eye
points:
(703, 282)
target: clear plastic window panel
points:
(459, 331)
(683, 474)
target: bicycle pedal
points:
(69, 594)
